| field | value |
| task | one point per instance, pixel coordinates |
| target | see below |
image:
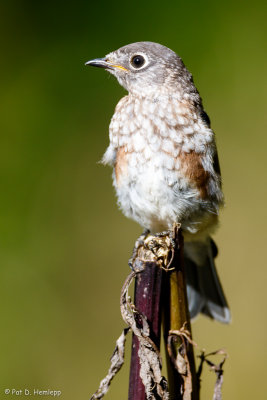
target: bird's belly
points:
(156, 197)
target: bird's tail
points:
(204, 291)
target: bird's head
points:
(146, 68)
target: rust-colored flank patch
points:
(193, 169)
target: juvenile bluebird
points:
(165, 163)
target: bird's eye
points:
(138, 61)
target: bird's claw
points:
(133, 264)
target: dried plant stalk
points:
(160, 288)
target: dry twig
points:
(217, 368)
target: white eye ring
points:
(138, 61)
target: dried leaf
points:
(217, 368)
(116, 361)
(180, 359)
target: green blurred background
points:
(64, 245)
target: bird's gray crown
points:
(147, 68)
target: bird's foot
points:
(170, 233)
(139, 243)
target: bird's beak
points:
(104, 63)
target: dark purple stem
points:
(147, 299)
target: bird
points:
(165, 162)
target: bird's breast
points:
(183, 169)
(166, 140)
